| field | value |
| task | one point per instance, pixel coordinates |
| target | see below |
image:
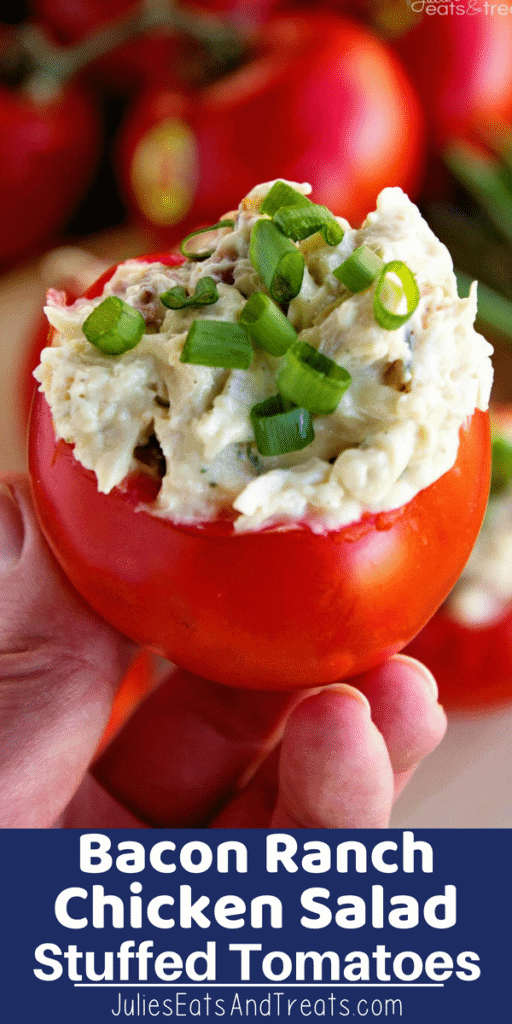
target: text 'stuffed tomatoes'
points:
(320, 99)
(468, 643)
(274, 479)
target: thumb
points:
(60, 665)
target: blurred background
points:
(123, 126)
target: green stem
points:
(224, 43)
(483, 178)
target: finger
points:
(187, 750)
(334, 769)
(59, 667)
(93, 808)
(403, 698)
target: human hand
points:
(195, 753)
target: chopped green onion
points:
(114, 327)
(203, 255)
(278, 429)
(205, 295)
(277, 260)
(218, 343)
(310, 379)
(267, 324)
(501, 475)
(280, 195)
(360, 269)
(385, 316)
(300, 222)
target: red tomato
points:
(461, 67)
(269, 609)
(321, 99)
(49, 149)
(472, 664)
(136, 685)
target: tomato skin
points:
(321, 100)
(49, 153)
(268, 609)
(472, 663)
(462, 69)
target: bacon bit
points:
(56, 298)
(393, 376)
(152, 456)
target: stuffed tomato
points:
(468, 643)
(268, 462)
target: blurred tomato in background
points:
(49, 150)
(468, 643)
(318, 99)
(461, 67)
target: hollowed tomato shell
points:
(273, 609)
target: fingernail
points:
(350, 691)
(423, 671)
(11, 529)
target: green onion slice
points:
(387, 297)
(501, 475)
(218, 343)
(114, 327)
(192, 254)
(278, 429)
(280, 195)
(360, 269)
(267, 325)
(277, 260)
(300, 222)
(205, 295)
(310, 379)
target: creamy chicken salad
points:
(398, 362)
